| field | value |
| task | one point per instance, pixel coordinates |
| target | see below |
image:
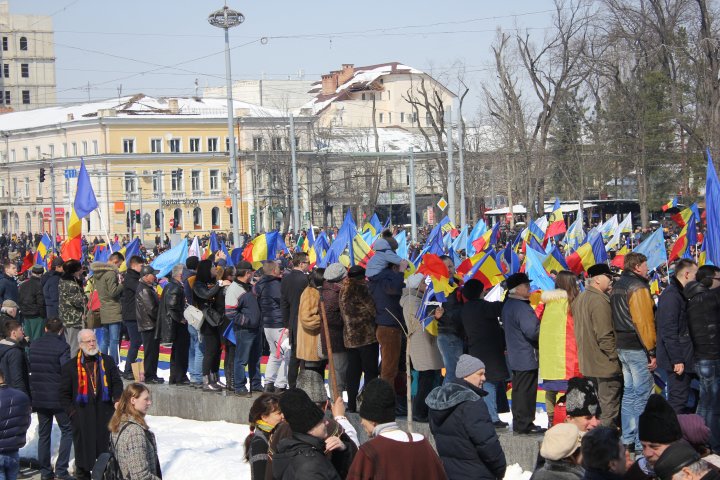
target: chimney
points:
(173, 106)
(347, 72)
(329, 83)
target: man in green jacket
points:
(106, 279)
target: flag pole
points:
(105, 230)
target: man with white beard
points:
(89, 388)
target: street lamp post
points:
(226, 18)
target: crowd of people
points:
(598, 344)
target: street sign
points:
(442, 204)
(70, 173)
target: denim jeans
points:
(45, 422)
(9, 466)
(135, 342)
(451, 347)
(110, 342)
(708, 372)
(195, 355)
(248, 350)
(491, 399)
(638, 386)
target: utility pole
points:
(461, 167)
(131, 216)
(257, 200)
(451, 166)
(160, 204)
(142, 227)
(53, 220)
(413, 207)
(295, 193)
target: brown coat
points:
(358, 311)
(308, 325)
(595, 334)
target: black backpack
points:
(106, 466)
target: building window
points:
(348, 179)
(212, 144)
(26, 153)
(24, 70)
(12, 155)
(389, 178)
(5, 45)
(7, 97)
(389, 117)
(381, 118)
(95, 147)
(362, 96)
(67, 186)
(23, 43)
(215, 217)
(174, 145)
(84, 147)
(156, 182)
(379, 96)
(51, 150)
(130, 182)
(277, 143)
(428, 118)
(156, 145)
(177, 180)
(227, 143)
(6, 70)
(27, 187)
(64, 150)
(39, 189)
(257, 143)
(157, 220)
(413, 117)
(128, 145)
(38, 154)
(214, 180)
(74, 149)
(388, 94)
(195, 180)
(194, 145)
(177, 218)
(402, 117)
(15, 189)
(197, 218)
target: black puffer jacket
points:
(267, 290)
(146, 307)
(172, 306)
(31, 298)
(303, 456)
(47, 355)
(464, 434)
(14, 365)
(703, 317)
(8, 288)
(130, 284)
(673, 337)
(14, 418)
(50, 285)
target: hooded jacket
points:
(109, 290)
(383, 257)
(464, 434)
(673, 336)
(302, 456)
(386, 288)
(703, 317)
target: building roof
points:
(134, 106)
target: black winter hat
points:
(581, 399)
(599, 269)
(516, 279)
(659, 423)
(378, 402)
(299, 411)
(675, 458)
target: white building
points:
(283, 95)
(27, 78)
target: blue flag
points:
(402, 249)
(539, 278)
(653, 247)
(168, 259)
(712, 213)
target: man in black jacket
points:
(50, 283)
(47, 355)
(130, 284)
(32, 303)
(291, 288)
(703, 317)
(12, 357)
(8, 284)
(174, 326)
(674, 346)
(147, 304)
(460, 423)
(450, 327)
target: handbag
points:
(194, 316)
(212, 317)
(320, 353)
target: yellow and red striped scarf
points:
(82, 396)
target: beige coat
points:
(424, 352)
(309, 321)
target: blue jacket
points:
(47, 355)
(464, 434)
(51, 291)
(14, 418)
(269, 298)
(8, 288)
(674, 344)
(386, 289)
(522, 331)
(13, 364)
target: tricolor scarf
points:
(83, 381)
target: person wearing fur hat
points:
(658, 428)
(310, 452)
(581, 405)
(464, 434)
(561, 450)
(390, 452)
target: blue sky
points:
(130, 42)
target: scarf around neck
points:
(83, 380)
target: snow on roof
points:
(130, 106)
(391, 139)
(361, 79)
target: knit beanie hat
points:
(581, 399)
(378, 402)
(312, 383)
(694, 429)
(467, 365)
(300, 411)
(659, 423)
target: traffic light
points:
(137, 216)
(42, 175)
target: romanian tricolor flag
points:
(684, 215)
(671, 204)
(427, 321)
(588, 254)
(488, 239)
(655, 284)
(438, 272)
(261, 248)
(85, 202)
(619, 260)
(362, 253)
(687, 237)
(556, 222)
(509, 262)
(702, 257)
(43, 247)
(482, 266)
(555, 261)
(308, 246)
(28, 262)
